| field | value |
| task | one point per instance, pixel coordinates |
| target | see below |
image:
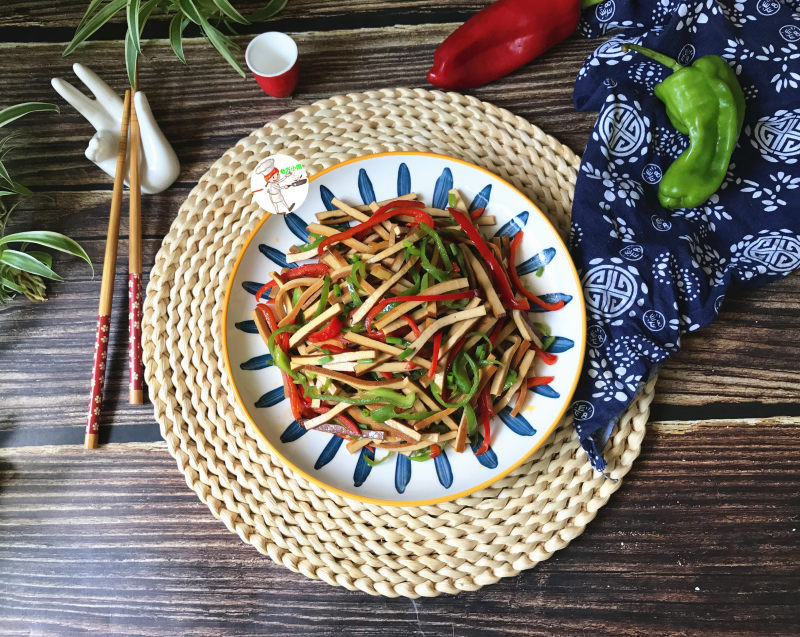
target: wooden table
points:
(703, 536)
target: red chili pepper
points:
(485, 406)
(547, 358)
(540, 380)
(500, 38)
(452, 355)
(498, 274)
(387, 375)
(384, 213)
(309, 269)
(331, 329)
(496, 332)
(476, 213)
(512, 269)
(411, 366)
(436, 450)
(450, 296)
(412, 324)
(269, 316)
(294, 397)
(437, 344)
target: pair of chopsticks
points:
(109, 269)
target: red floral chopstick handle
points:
(98, 380)
(135, 336)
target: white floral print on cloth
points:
(649, 274)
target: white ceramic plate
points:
(321, 457)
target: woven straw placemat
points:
(423, 551)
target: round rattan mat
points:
(424, 551)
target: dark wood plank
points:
(701, 538)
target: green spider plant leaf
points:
(53, 240)
(95, 22)
(270, 9)
(132, 16)
(11, 113)
(131, 58)
(44, 257)
(4, 282)
(176, 28)
(89, 11)
(228, 9)
(27, 263)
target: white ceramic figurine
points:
(160, 166)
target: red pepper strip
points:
(500, 38)
(343, 420)
(331, 329)
(305, 399)
(384, 213)
(540, 380)
(450, 296)
(412, 324)
(496, 332)
(498, 274)
(485, 405)
(309, 269)
(476, 213)
(294, 399)
(437, 344)
(547, 358)
(387, 375)
(411, 366)
(452, 356)
(269, 316)
(512, 269)
(436, 450)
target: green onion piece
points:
(324, 360)
(511, 378)
(546, 343)
(540, 270)
(337, 290)
(405, 353)
(353, 293)
(396, 340)
(451, 200)
(325, 385)
(365, 361)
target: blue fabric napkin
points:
(649, 274)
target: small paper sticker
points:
(279, 184)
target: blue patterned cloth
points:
(651, 275)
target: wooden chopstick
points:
(107, 286)
(136, 393)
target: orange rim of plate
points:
(412, 503)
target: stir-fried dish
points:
(408, 331)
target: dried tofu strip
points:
(305, 255)
(411, 196)
(402, 432)
(360, 339)
(450, 319)
(522, 325)
(419, 425)
(522, 396)
(326, 417)
(440, 288)
(417, 315)
(345, 357)
(391, 250)
(405, 430)
(524, 346)
(358, 216)
(329, 232)
(432, 404)
(354, 446)
(358, 383)
(458, 332)
(314, 323)
(386, 225)
(459, 200)
(506, 332)
(505, 365)
(261, 326)
(487, 285)
(378, 292)
(524, 366)
(305, 296)
(484, 327)
(332, 214)
(427, 440)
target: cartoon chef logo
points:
(279, 184)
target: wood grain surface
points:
(702, 538)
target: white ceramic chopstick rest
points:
(160, 166)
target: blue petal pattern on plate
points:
(546, 390)
(248, 327)
(561, 344)
(518, 424)
(272, 397)
(365, 188)
(536, 261)
(440, 190)
(328, 452)
(276, 256)
(481, 200)
(293, 432)
(443, 470)
(327, 197)
(513, 226)
(251, 287)
(488, 458)
(297, 226)
(402, 473)
(403, 180)
(362, 468)
(257, 362)
(552, 297)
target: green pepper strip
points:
(374, 463)
(379, 395)
(323, 296)
(383, 414)
(279, 357)
(465, 400)
(511, 378)
(420, 455)
(310, 246)
(439, 244)
(472, 421)
(353, 293)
